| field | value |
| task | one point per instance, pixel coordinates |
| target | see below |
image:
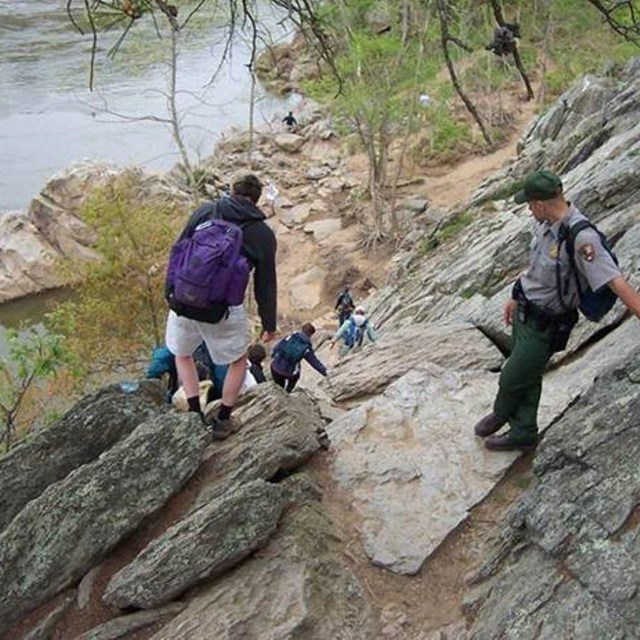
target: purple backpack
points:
(206, 270)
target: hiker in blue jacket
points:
(353, 330)
(289, 352)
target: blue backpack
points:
(162, 361)
(294, 348)
(594, 305)
(355, 334)
(206, 272)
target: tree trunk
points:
(444, 40)
(173, 109)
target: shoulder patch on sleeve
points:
(587, 252)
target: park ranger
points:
(543, 308)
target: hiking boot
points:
(218, 430)
(231, 425)
(489, 424)
(506, 442)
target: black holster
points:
(561, 325)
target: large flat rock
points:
(454, 345)
(409, 459)
(92, 426)
(61, 534)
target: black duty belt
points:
(527, 311)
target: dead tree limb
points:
(497, 12)
(445, 38)
(621, 16)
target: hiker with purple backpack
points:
(207, 276)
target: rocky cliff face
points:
(32, 241)
(233, 539)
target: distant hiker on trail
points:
(256, 355)
(289, 352)
(344, 305)
(207, 276)
(570, 267)
(290, 121)
(353, 330)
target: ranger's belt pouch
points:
(562, 330)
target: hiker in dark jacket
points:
(227, 338)
(344, 305)
(256, 355)
(287, 355)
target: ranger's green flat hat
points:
(541, 185)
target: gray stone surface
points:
(297, 587)
(572, 566)
(323, 229)
(410, 462)
(305, 290)
(61, 534)
(278, 435)
(45, 629)
(124, 626)
(289, 142)
(370, 370)
(93, 425)
(210, 541)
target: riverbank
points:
(49, 118)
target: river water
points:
(49, 117)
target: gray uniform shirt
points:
(595, 266)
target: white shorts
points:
(226, 340)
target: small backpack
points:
(355, 334)
(594, 305)
(207, 271)
(293, 348)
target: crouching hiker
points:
(288, 354)
(207, 276)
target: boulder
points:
(74, 523)
(305, 290)
(297, 586)
(410, 464)
(323, 229)
(91, 427)
(278, 435)
(55, 210)
(288, 142)
(569, 565)
(26, 258)
(208, 542)
(370, 370)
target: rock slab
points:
(74, 523)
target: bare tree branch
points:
(614, 13)
(444, 41)
(497, 12)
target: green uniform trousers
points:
(520, 382)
